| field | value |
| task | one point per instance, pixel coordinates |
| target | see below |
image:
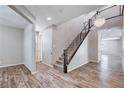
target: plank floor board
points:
(98, 75)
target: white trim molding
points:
(11, 65)
(69, 70)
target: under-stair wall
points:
(86, 53)
(64, 34)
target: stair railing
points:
(69, 53)
(76, 43)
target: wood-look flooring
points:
(108, 73)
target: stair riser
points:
(60, 63)
(61, 58)
(58, 68)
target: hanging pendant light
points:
(99, 22)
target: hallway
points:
(105, 74)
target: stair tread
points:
(58, 65)
(61, 56)
(60, 61)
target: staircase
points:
(64, 60)
(72, 48)
(60, 62)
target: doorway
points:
(38, 47)
(110, 48)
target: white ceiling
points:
(10, 18)
(58, 13)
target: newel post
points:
(65, 61)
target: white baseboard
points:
(34, 72)
(47, 64)
(16, 65)
(93, 61)
(69, 70)
(11, 65)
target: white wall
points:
(81, 56)
(64, 34)
(47, 46)
(87, 52)
(93, 45)
(99, 46)
(123, 45)
(11, 46)
(29, 48)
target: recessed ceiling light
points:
(49, 18)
